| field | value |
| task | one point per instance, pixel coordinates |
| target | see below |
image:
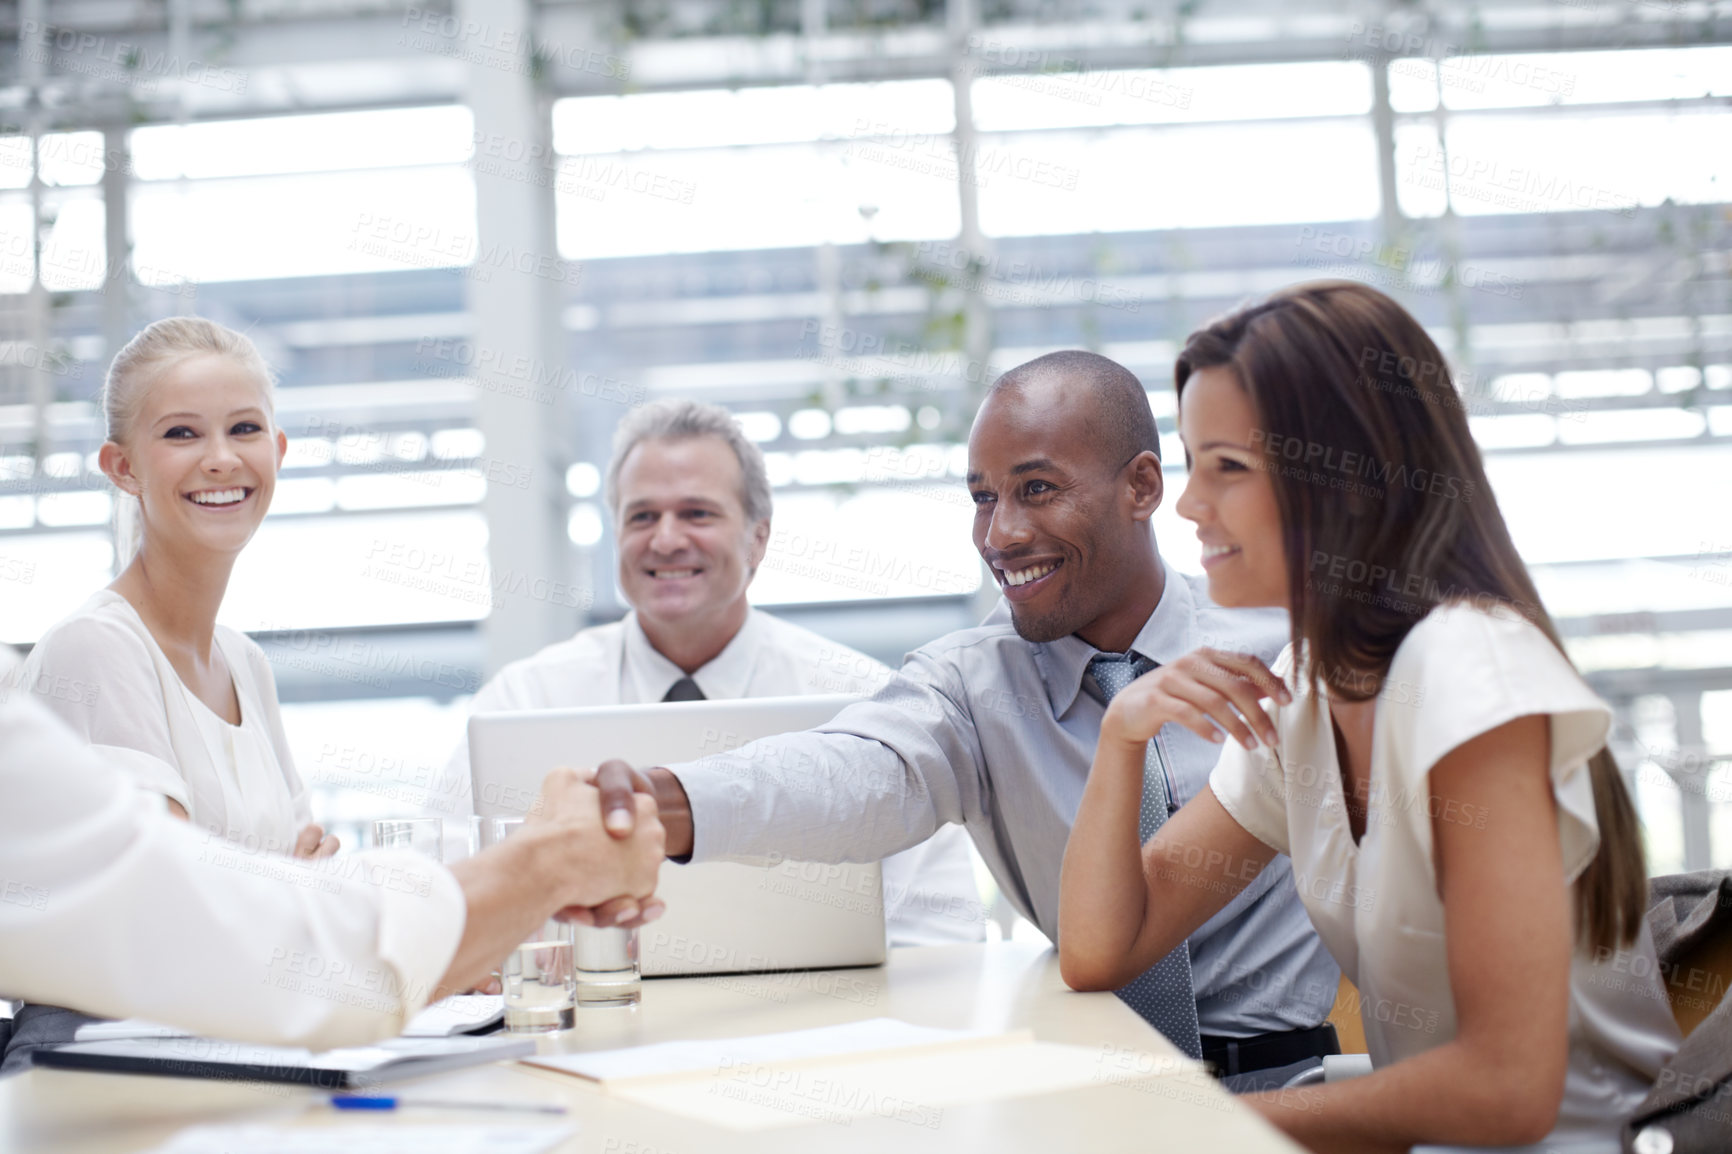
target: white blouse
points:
(102, 673)
(1459, 673)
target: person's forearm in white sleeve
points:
(115, 909)
(112, 909)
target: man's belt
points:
(1266, 1051)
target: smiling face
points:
(1064, 532)
(201, 455)
(1229, 494)
(686, 550)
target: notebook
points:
(458, 1014)
(346, 1069)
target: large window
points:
(790, 251)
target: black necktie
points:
(685, 689)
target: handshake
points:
(589, 851)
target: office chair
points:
(1696, 983)
(1349, 1024)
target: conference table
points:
(1137, 1097)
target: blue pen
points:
(362, 1102)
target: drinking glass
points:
(608, 973)
(424, 835)
(538, 982)
(537, 978)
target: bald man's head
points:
(1118, 411)
(1065, 473)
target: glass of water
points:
(607, 967)
(537, 978)
(424, 835)
(539, 982)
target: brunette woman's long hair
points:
(1386, 514)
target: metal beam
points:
(516, 326)
(100, 59)
(117, 241)
(1690, 773)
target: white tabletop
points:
(995, 987)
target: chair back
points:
(1346, 1018)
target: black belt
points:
(1266, 1051)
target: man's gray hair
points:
(681, 420)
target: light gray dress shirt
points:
(993, 732)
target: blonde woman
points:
(142, 671)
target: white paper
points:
(914, 1089)
(709, 1055)
(457, 1014)
(404, 1053)
(188, 1049)
(125, 1028)
(368, 1138)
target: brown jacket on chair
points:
(1690, 916)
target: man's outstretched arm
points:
(882, 776)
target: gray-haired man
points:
(691, 500)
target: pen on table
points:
(360, 1102)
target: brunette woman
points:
(1424, 751)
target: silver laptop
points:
(722, 918)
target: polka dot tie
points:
(1162, 994)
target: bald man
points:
(994, 728)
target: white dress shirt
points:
(1459, 673)
(115, 908)
(930, 897)
(105, 676)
